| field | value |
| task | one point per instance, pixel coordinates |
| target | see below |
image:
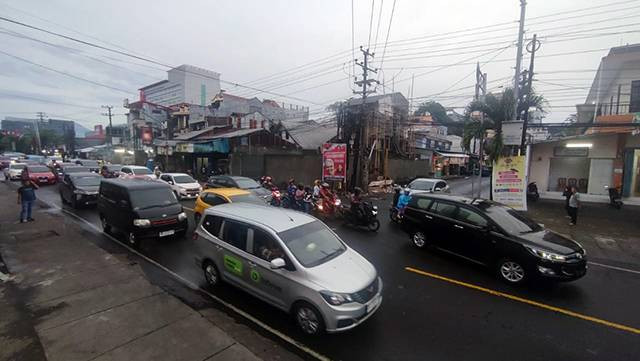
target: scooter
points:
(369, 218)
(532, 192)
(327, 207)
(614, 197)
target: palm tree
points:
(497, 108)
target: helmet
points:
(325, 185)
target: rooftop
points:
(278, 219)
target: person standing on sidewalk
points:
(567, 195)
(26, 197)
(574, 204)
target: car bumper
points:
(155, 231)
(87, 199)
(189, 195)
(568, 271)
(345, 317)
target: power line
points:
(378, 25)
(373, 5)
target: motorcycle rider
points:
(326, 196)
(356, 203)
(403, 201)
(308, 200)
(299, 197)
(316, 188)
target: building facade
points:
(184, 84)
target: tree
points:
(497, 108)
(439, 114)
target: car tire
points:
(308, 319)
(511, 271)
(394, 215)
(211, 274)
(131, 239)
(106, 228)
(419, 239)
(374, 225)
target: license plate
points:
(372, 306)
(44, 180)
(167, 233)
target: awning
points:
(453, 155)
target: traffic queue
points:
(274, 244)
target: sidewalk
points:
(66, 299)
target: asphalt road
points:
(454, 311)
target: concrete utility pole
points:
(108, 114)
(360, 158)
(516, 79)
(36, 126)
(481, 83)
(531, 48)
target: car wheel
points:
(132, 239)
(308, 319)
(419, 239)
(374, 225)
(106, 228)
(211, 274)
(511, 271)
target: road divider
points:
(526, 301)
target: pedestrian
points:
(574, 204)
(567, 194)
(26, 197)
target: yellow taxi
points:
(215, 196)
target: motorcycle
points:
(614, 197)
(327, 207)
(276, 197)
(368, 217)
(532, 192)
(394, 212)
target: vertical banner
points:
(334, 161)
(147, 135)
(509, 182)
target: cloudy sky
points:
(298, 51)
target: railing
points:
(617, 108)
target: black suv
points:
(140, 208)
(494, 235)
(80, 188)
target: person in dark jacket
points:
(567, 195)
(26, 197)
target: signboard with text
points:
(334, 161)
(508, 182)
(511, 132)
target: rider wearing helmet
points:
(403, 201)
(356, 202)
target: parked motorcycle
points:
(532, 192)
(367, 218)
(615, 199)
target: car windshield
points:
(152, 197)
(183, 179)
(88, 181)
(246, 183)
(18, 166)
(114, 167)
(421, 185)
(75, 170)
(246, 198)
(141, 171)
(509, 219)
(38, 169)
(313, 243)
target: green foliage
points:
(439, 114)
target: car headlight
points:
(200, 189)
(182, 216)
(547, 255)
(336, 299)
(141, 222)
(375, 213)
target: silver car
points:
(430, 185)
(290, 260)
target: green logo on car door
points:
(255, 276)
(233, 264)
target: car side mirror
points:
(277, 263)
(438, 189)
(170, 182)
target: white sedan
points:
(430, 185)
(183, 185)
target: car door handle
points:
(428, 216)
(251, 264)
(457, 226)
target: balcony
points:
(615, 108)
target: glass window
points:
(471, 217)
(312, 244)
(424, 203)
(246, 183)
(68, 170)
(38, 169)
(444, 209)
(441, 185)
(18, 166)
(87, 181)
(421, 185)
(212, 225)
(152, 198)
(265, 247)
(165, 178)
(214, 200)
(247, 198)
(140, 171)
(235, 234)
(509, 219)
(183, 179)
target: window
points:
(165, 178)
(424, 203)
(235, 234)
(634, 105)
(213, 200)
(312, 244)
(441, 185)
(471, 217)
(421, 185)
(126, 170)
(265, 247)
(152, 198)
(212, 225)
(444, 209)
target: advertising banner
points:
(334, 161)
(147, 135)
(508, 183)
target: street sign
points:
(508, 182)
(511, 132)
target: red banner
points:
(147, 135)
(334, 161)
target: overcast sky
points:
(250, 40)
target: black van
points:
(140, 208)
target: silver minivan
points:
(290, 260)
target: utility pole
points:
(36, 127)
(108, 114)
(516, 79)
(531, 48)
(360, 158)
(481, 83)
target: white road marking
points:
(614, 267)
(195, 287)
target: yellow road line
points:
(527, 301)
